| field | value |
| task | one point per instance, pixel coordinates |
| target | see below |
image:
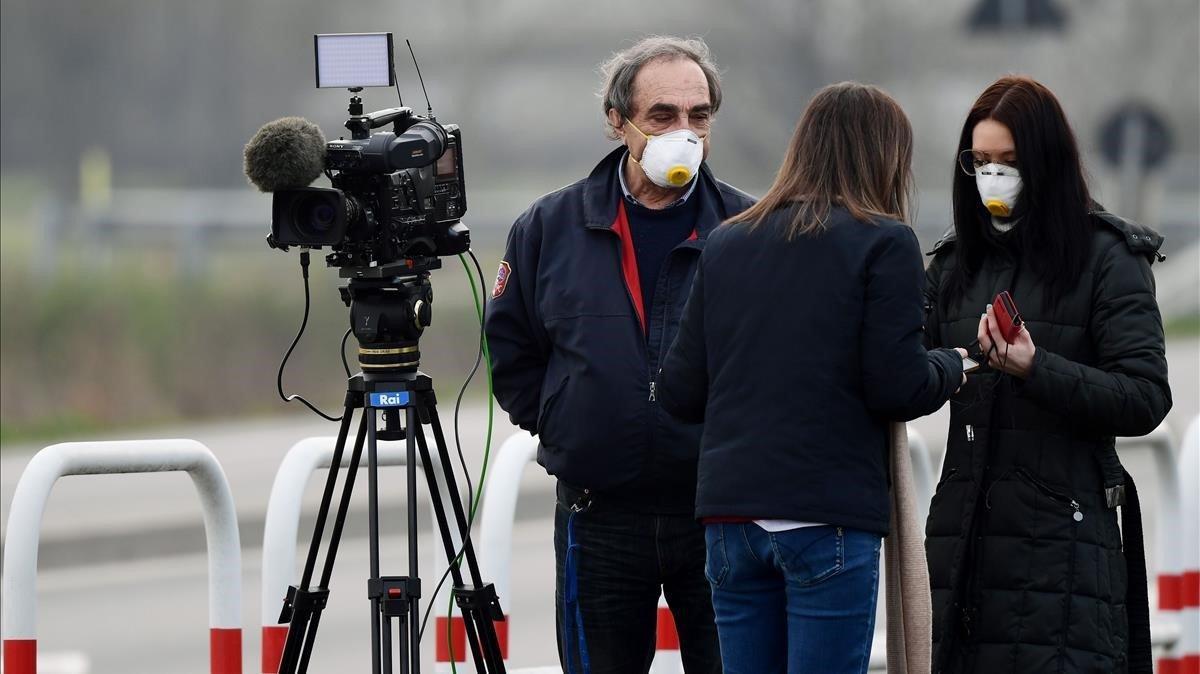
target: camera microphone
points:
(288, 153)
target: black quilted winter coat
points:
(1026, 560)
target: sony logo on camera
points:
(390, 399)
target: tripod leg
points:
(479, 624)
(380, 638)
(304, 604)
(412, 623)
(452, 487)
(448, 541)
(485, 616)
(310, 561)
(306, 654)
(339, 522)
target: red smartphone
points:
(1007, 316)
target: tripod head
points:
(390, 307)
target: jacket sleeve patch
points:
(502, 275)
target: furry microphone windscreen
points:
(287, 153)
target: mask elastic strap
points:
(635, 128)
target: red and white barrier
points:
(281, 529)
(141, 456)
(667, 658)
(496, 519)
(1167, 559)
(1186, 653)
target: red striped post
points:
(667, 658)
(225, 650)
(451, 634)
(20, 656)
(273, 639)
(668, 637)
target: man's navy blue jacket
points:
(573, 355)
(796, 355)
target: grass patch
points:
(123, 339)
(1182, 326)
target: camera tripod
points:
(389, 308)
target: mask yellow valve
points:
(998, 208)
(679, 175)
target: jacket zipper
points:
(665, 278)
(629, 296)
(1076, 515)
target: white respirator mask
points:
(672, 159)
(999, 185)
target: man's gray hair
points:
(620, 70)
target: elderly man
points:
(586, 303)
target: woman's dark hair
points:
(1054, 235)
(852, 148)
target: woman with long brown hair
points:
(1029, 570)
(800, 342)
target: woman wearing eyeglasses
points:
(1029, 570)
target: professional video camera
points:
(396, 196)
(392, 213)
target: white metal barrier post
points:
(142, 456)
(1168, 557)
(499, 512)
(1187, 651)
(282, 524)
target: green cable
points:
(477, 497)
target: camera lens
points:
(309, 216)
(315, 215)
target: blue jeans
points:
(796, 601)
(624, 561)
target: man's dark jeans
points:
(623, 561)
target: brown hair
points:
(851, 148)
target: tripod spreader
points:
(396, 594)
(407, 399)
(479, 601)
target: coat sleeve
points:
(901, 380)
(1127, 392)
(517, 338)
(683, 379)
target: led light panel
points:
(346, 60)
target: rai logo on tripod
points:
(393, 399)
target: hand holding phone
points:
(1007, 316)
(1004, 338)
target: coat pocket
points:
(1070, 506)
(548, 406)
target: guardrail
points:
(140, 456)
